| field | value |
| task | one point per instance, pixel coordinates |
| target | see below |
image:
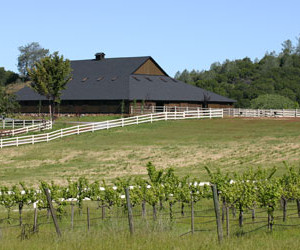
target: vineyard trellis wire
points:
(250, 191)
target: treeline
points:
(8, 77)
(245, 80)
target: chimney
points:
(99, 56)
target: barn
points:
(115, 85)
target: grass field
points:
(187, 146)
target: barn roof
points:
(114, 79)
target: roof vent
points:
(99, 56)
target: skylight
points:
(163, 79)
(148, 78)
(114, 78)
(100, 78)
(134, 77)
(84, 79)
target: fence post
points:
(143, 208)
(151, 118)
(253, 214)
(72, 215)
(217, 212)
(35, 221)
(129, 208)
(192, 214)
(103, 210)
(88, 217)
(52, 211)
(227, 221)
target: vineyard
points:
(243, 204)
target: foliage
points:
(8, 103)
(29, 55)
(49, 77)
(273, 101)
(7, 77)
(245, 80)
(242, 191)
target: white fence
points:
(262, 112)
(158, 109)
(91, 127)
(234, 112)
(37, 127)
(11, 123)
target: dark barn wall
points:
(107, 107)
(76, 107)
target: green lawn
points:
(188, 146)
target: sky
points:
(187, 34)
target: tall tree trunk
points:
(50, 109)
(182, 208)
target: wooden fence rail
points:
(91, 127)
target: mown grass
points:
(187, 146)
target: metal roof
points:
(113, 79)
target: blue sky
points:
(179, 35)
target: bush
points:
(273, 101)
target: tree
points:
(273, 101)
(287, 47)
(7, 76)
(8, 103)
(29, 55)
(49, 77)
